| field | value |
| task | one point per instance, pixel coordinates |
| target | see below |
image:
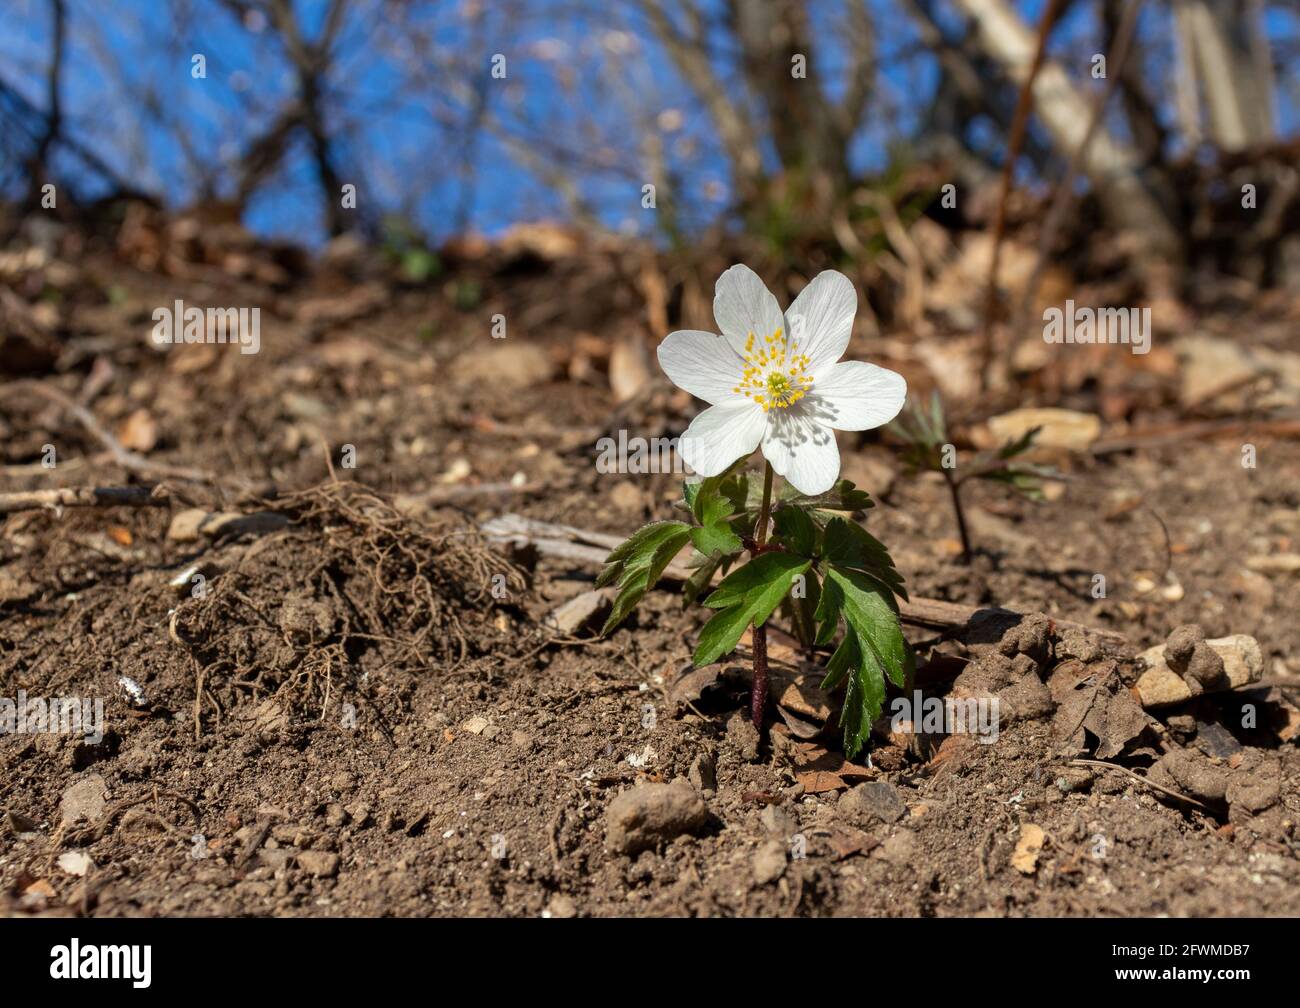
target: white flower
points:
(778, 380)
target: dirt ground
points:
(364, 713)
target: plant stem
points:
(954, 488)
(758, 692)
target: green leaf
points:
(847, 544)
(843, 496)
(716, 538)
(716, 497)
(1020, 445)
(796, 530)
(864, 692)
(747, 595)
(868, 608)
(872, 648)
(635, 544)
(637, 564)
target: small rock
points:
(561, 906)
(509, 364)
(321, 864)
(185, 525)
(1161, 685)
(1275, 563)
(475, 725)
(75, 863)
(1061, 429)
(769, 862)
(703, 773)
(873, 800)
(1028, 846)
(84, 800)
(777, 821)
(1215, 740)
(650, 814)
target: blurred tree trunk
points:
(810, 144)
(1228, 55)
(1140, 112)
(39, 170)
(1111, 166)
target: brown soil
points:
(363, 714)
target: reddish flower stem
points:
(758, 692)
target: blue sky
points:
(573, 90)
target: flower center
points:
(774, 376)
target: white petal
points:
(742, 304)
(721, 434)
(855, 395)
(801, 450)
(821, 319)
(701, 363)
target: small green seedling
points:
(926, 446)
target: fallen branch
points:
(1164, 434)
(583, 546)
(122, 456)
(34, 500)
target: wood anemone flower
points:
(777, 379)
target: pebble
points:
(769, 861)
(874, 800)
(321, 864)
(650, 814)
(83, 800)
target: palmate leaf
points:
(847, 544)
(843, 496)
(872, 649)
(636, 564)
(796, 530)
(712, 503)
(747, 595)
(716, 538)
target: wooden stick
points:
(1172, 433)
(121, 455)
(32, 500)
